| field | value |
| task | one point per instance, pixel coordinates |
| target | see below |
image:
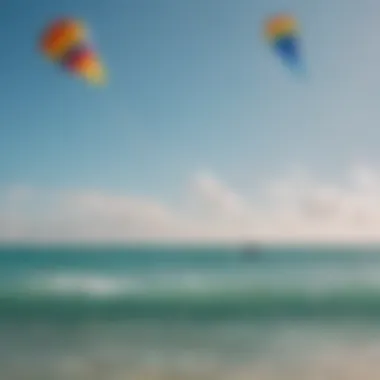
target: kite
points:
(66, 43)
(282, 33)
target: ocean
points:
(189, 312)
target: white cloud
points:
(296, 207)
(213, 199)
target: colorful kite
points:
(65, 42)
(282, 32)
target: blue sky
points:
(192, 87)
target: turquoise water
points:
(189, 312)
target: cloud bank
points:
(297, 207)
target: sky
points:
(201, 132)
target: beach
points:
(172, 312)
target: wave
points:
(187, 297)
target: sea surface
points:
(195, 312)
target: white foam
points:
(202, 283)
(69, 284)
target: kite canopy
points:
(282, 32)
(65, 42)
